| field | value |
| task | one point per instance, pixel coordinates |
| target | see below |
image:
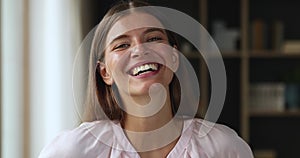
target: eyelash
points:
(156, 38)
(126, 45)
(121, 46)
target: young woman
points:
(134, 94)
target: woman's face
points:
(138, 55)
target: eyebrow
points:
(151, 29)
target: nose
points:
(139, 50)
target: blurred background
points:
(259, 42)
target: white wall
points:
(12, 97)
(53, 41)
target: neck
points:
(144, 124)
(149, 112)
(158, 143)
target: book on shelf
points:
(291, 46)
(267, 97)
(277, 35)
(258, 36)
(264, 153)
(266, 35)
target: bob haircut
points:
(101, 99)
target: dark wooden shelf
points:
(269, 113)
(272, 54)
(232, 54)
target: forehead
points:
(131, 22)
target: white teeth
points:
(142, 68)
(147, 67)
(136, 70)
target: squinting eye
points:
(154, 39)
(121, 46)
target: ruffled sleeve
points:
(84, 141)
(216, 141)
(64, 145)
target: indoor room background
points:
(258, 40)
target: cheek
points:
(165, 51)
(116, 64)
(112, 62)
(169, 75)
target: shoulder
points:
(218, 140)
(81, 141)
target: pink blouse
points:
(86, 141)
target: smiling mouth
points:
(144, 69)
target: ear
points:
(106, 76)
(175, 58)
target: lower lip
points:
(146, 75)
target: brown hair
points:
(100, 97)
